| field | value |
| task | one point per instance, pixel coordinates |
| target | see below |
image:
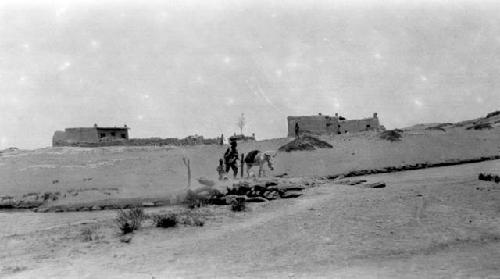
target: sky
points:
(178, 68)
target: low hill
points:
(489, 121)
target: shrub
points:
(238, 205)
(130, 220)
(481, 176)
(391, 135)
(167, 220)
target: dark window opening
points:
(123, 136)
(339, 132)
(102, 135)
(113, 134)
(367, 126)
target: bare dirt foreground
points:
(439, 222)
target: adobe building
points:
(331, 125)
(86, 135)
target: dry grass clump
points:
(392, 135)
(90, 233)
(172, 219)
(129, 220)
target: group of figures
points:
(229, 161)
(253, 158)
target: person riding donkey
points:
(231, 158)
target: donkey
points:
(258, 158)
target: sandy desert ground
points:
(437, 222)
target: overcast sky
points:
(177, 68)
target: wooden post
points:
(188, 165)
(242, 164)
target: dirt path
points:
(428, 223)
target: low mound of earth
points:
(490, 121)
(430, 223)
(304, 143)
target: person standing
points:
(231, 158)
(297, 130)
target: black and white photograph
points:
(157, 139)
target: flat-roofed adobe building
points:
(96, 134)
(331, 125)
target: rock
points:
(206, 182)
(292, 188)
(230, 198)
(148, 204)
(291, 194)
(286, 188)
(257, 199)
(126, 238)
(58, 210)
(356, 182)
(259, 187)
(43, 210)
(242, 184)
(375, 185)
(218, 201)
(85, 222)
(271, 195)
(96, 207)
(271, 183)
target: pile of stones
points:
(262, 191)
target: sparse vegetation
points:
(489, 177)
(392, 135)
(166, 220)
(480, 126)
(130, 220)
(90, 233)
(191, 220)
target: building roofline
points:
(98, 128)
(112, 128)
